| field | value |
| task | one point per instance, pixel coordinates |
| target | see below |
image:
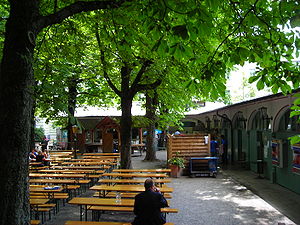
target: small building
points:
(102, 134)
(257, 132)
(98, 134)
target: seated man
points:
(147, 206)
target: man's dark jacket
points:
(147, 207)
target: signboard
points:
(277, 153)
(296, 158)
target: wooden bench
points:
(97, 210)
(55, 196)
(101, 223)
(127, 209)
(127, 195)
(35, 222)
(134, 181)
(43, 209)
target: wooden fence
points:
(187, 146)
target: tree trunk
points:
(72, 95)
(16, 89)
(32, 132)
(126, 123)
(151, 144)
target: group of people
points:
(219, 148)
(41, 156)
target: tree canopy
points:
(179, 46)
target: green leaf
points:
(243, 52)
(275, 88)
(181, 31)
(163, 48)
(295, 21)
(297, 43)
(295, 139)
(297, 101)
(253, 79)
(213, 4)
(260, 85)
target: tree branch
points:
(138, 77)
(102, 59)
(154, 85)
(231, 33)
(77, 7)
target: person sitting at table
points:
(147, 205)
(32, 155)
(46, 159)
(40, 157)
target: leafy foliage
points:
(38, 134)
(177, 160)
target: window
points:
(261, 120)
(239, 121)
(97, 135)
(88, 137)
(289, 124)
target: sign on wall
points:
(277, 153)
(296, 158)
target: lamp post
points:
(265, 118)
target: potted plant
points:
(176, 164)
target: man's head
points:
(148, 184)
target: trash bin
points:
(260, 168)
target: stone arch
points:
(278, 116)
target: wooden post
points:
(141, 135)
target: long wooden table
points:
(43, 190)
(38, 201)
(132, 181)
(89, 163)
(46, 192)
(81, 167)
(87, 203)
(57, 175)
(104, 189)
(141, 170)
(58, 181)
(132, 175)
(101, 154)
(87, 171)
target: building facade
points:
(257, 132)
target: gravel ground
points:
(200, 200)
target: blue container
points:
(204, 165)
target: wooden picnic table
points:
(33, 202)
(141, 170)
(35, 163)
(131, 175)
(102, 154)
(100, 168)
(139, 147)
(71, 171)
(104, 189)
(47, 192)
(89, 163)
(132, 181)
(43, 190)
(56, 175)
(94, 160)
(86, 203)
(59, 181)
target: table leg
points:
(80, 212)
(85, 207)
